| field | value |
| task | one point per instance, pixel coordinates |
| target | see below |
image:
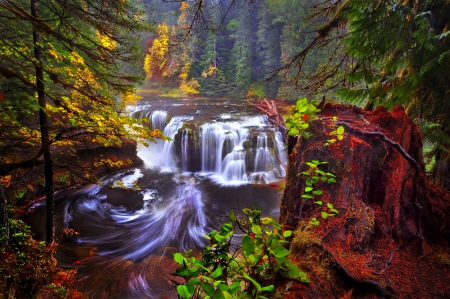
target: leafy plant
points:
(297, 123)
(28, 268)
(314, 175)
(338, 133)
(246, 270)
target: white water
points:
(179, 200)
(228, 153)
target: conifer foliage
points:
(391, 52)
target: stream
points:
(223, 155)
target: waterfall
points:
(169, 159)
(184, 149)
(158, 119)
(241, 151)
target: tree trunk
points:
(43, 122)
(4, 215)
(383, 201)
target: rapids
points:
(223, 155)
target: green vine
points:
(312, 176)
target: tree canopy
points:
(62, 82)
(389, 53)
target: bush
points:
(28, 268)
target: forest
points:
(341, 106)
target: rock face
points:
(380, 193)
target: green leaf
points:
(226, 227)
(235, 287)
(223, 287)
(294, 272)
(227, 295)
(248, 245)
(256, 229)
(179, 258)
(280, 252)
(207, 288)
(319, 202)
(325, 215)
(314, 179)
(287, 233)
(312, 165)
(308, 189)
(220, 238)
(317, 192)
(307, 196)
(269, 288)
(183, 291)
(255, 283)
(314, 221)
(340, 130)
(232, 216)
(331, 180)
(218, 272)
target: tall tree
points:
(43, 124)
(394, 53)
(268, 49)
(70, 54)
(241, 52)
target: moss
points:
(304, 237)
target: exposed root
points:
(369, 283)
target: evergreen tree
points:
(395, 53)
(241, 52)
(268, 48)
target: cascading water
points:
(184, 148)
(181, 193)
(159, 119)
(232, 152)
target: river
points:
(224, 155)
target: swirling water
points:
(223, 156)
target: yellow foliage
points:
(157, 55)
(52, 51)
(128, 99)
(76, 58)
(148, 65)
(106, 41)
(184, 71)
(210, 72)
(190, 87)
